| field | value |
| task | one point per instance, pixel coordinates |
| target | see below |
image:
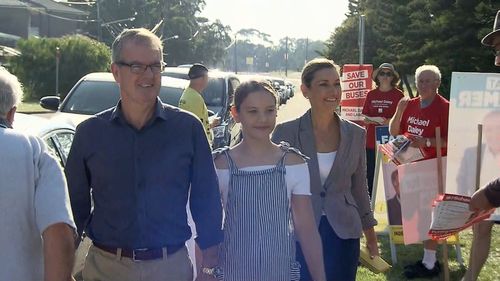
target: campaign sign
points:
(474, 99)
(382, 135)
(418, 184)
(356, 83)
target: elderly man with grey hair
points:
(37, 228)
(419, 118)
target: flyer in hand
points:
(376, 265)
(451, 214)
(400, 151)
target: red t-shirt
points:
(423, 121)
(379, 104)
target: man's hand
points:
(215, 122)
(205, 277)
(417, 141)
(210, 259)
(479, 202)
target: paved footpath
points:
(295, 107)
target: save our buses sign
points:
(356, 83)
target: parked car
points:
(281, 88)
(58, 136)
(98, 91)
(291, 88)
(282, 96)
(218, 97)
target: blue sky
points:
(315, 19)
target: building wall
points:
(15, 21)
(23, 23)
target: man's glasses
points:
(141, 68)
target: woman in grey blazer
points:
(337, 168)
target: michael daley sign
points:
(414, 124)
(356, 83)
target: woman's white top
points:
(325, 163)
(297, 179)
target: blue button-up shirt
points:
(141, 180)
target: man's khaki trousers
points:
(104, 266)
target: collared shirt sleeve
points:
(492, 192)
(78, 180)
(205, 200)
(51, 194)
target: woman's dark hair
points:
(245, 88)
(314, 66)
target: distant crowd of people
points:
(289, 202)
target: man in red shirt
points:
(419, 118)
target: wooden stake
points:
(479, 155)
(441, 190)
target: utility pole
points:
(307, 46)
(99, 30)
(58, 57)
(286, 56)
(361, 38)
(235, 55)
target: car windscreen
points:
(214, 93)
(91, 97)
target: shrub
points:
(36, 66)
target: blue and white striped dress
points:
(259, 243)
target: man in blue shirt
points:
(140, 163)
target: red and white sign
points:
(356, 83)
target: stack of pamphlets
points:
(451, 214)
(376, 119)
(400, 152)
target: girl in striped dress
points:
(266, 197)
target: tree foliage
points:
(36, 66)
(187, 37)
(446, 33)
(267, 55)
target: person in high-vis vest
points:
(192, 101)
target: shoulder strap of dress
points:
(285, 146)
(224, 150)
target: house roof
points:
(53, 6)
(8, 51)
(12, 3)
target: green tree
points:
(210, 44)
(36, 66)
(446, 33)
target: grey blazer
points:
(344, 196)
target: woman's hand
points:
(371, 242)
(373, 249)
